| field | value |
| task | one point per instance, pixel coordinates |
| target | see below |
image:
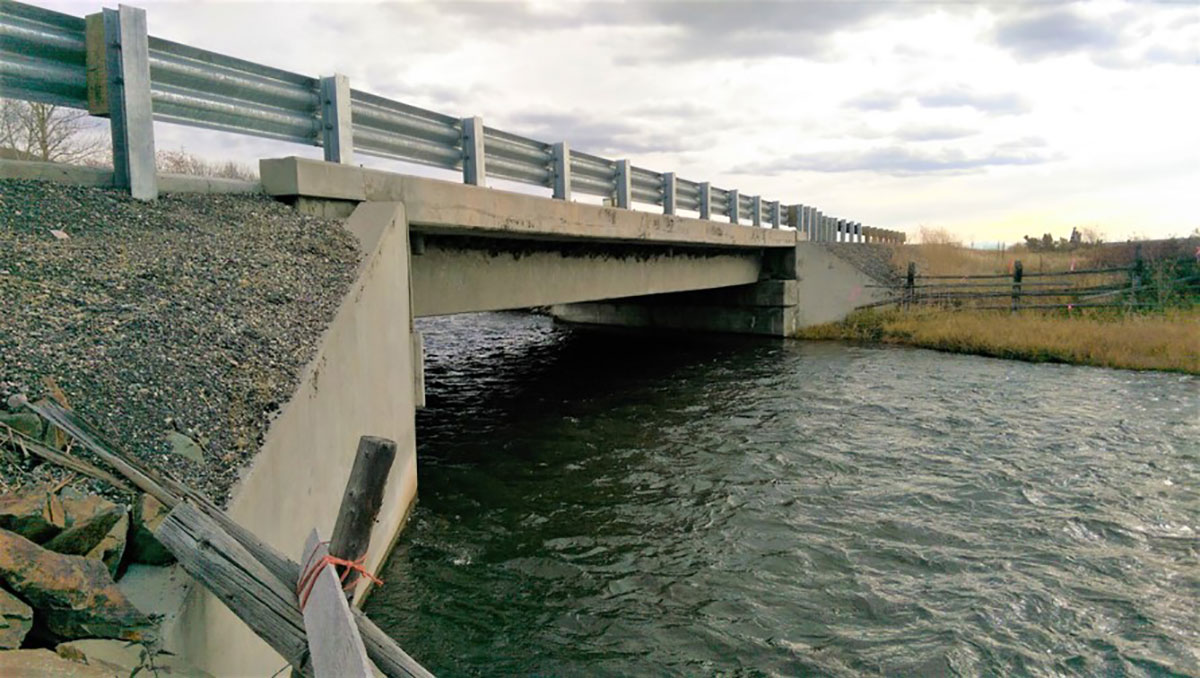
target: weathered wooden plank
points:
(388, 656)
(229, 571)
(361, 501)
(334, 645)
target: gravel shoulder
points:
(195, 314)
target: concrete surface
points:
(359, 383)
(435, 206)
(453, 275)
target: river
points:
(625, 505)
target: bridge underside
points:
(466, 274)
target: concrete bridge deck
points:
(480, 249)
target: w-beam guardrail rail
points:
(107, 64)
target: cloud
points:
(878, 101)
(614, 138)
(898, 160)
(998, 103)
(949, 96)
(687, 30)
(932, 132)
(1130, 37)
(1054, 31)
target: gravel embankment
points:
(873, 259)
(195, 313)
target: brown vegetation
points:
(1167, 341)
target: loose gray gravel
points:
(194, 313)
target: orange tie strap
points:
(304, 586)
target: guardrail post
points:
(817, 222)
(756, 210)
(733, 206)
(624, 184)
(474, 165)
(706, 200)
(804, 220)
(668, 189)
(562, 171)
(776, 214)
(337, 130)
(858, 234)
(127, 61)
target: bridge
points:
(596, 240)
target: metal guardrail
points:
(44, 57)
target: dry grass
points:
(936, 258)
(1168, 341)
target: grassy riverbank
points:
(1168, 341)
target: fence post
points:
(361, 502)
(668, 188)
(474, 164)
(1018, 270)
(910, 284)
(733, 206)
(337, 129)
(624, 184)
(127, 61)
(706, 200)
(562, 170)
(1135, 278)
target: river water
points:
(618, 504)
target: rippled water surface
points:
(606, 504)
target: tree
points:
(49, 133)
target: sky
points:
(990, 120)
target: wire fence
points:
(1173, 282)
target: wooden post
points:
(910, 284)
(361, 502)
(1016, 286)
(1135, 278)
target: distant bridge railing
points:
(109, 65)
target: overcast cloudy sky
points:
(994, 120)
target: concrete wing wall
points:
(361, 382)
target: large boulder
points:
(33, 512)
(102, 537)
(46, 664)
(148, 514)
(15, 620)
(73, 596)
(80, 507)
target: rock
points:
(33, 513)
(75, 597)
(15, 619)
(126, 657)
(101, 537)
(148, 513)
(82, 507)
(46, 664)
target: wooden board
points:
(334, 644)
